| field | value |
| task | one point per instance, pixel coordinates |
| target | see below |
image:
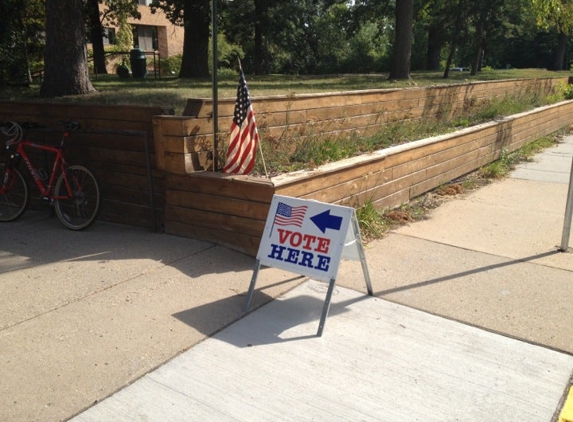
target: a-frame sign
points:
(309, 238)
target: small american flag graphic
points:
(289, 216)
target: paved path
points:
(471, 320)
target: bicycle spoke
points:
(14, 196)
(81, 206)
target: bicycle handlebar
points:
(13, 130)
(70, 125)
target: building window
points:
(145, 37)
(109, 36)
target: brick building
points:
(153, 32)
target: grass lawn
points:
(174, 92)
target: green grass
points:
(506, 162)
(314, 150)
(174, 92)
(373, 224)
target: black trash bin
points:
(138, 63)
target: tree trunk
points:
(478, 57)
(65, 57)
(558, 63)
(195, 60)
(449, 61)
(26, 55)
(97, 37)
(402, 55)
(433, 55)
(261, 27)
(259, 54)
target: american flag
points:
(244, 134)
(289, 216)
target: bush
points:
(568, 92)
(171, 65)
(122, 71)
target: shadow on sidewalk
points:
(465, 273)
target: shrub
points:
(171, 65)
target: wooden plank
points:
(219, 204)
(237, 240)
(62, 111)
(185, 144)
(209, 220)
(124, 213)
(132, 181)
(333, 187)
(241, 187)
(182, 126)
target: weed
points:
(372, 224)
(499, 168)
(299, 151)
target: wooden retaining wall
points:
(112, 143)
(143, 156)
(231, 210)
(284, 118)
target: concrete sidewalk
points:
(376, 361)
(471, 320)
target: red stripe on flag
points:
(241, 154)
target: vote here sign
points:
(305, 237)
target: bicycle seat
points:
(70, 125)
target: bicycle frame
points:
(59, 167)
(72, 190)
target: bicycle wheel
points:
(79, 210)
(15, 197)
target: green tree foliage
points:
(321, 36)
(311, 36)
(556, 15)
(21, 41)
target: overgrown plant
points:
(507, 160)
(372, 224)
(299, 151)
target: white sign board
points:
(309, 238)
(305, 237)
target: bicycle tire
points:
(80, 210)
(13, 202)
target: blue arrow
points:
(326, 221)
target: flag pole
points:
(260, 147)
(215, 83)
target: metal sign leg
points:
(326, 307)
(252, 286)
(568, 215)
(362, 255)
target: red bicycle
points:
(71, 189)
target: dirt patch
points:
(399, 216)
(450, 190)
